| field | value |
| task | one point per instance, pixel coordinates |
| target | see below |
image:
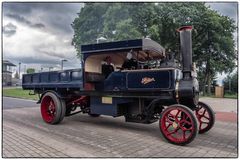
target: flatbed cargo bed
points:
(68, 79)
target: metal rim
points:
(48, 109)
(203, 117)
(174, 123)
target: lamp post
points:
(25, 69)
(19, 69)
(63, 60)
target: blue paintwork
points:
(97, 107)
(116, 81)
(55, 79)
(124, 81)
(161, 80)
(109, 46)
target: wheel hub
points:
(175, 125)
(51, 108)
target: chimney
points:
(186, 50)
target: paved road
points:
(9, 103)
(84, 136)
(221, 104)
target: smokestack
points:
(186, 50)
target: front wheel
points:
(205, 116)
(173, 122)
(52, 108)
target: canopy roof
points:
(143, 46)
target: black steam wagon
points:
(132, 78)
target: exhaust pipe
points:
(188, 89)
(186, 50)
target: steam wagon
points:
(132, 78)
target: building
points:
(7, 73)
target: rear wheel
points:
(205, 116)
(173, 122)
(52, 108)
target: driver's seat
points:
(107, 69)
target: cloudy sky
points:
(39, 34)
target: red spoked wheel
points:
(205, 116)
(52, 108)
(178, 124)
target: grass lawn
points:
(233, 96)
(18, 93)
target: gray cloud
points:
(50, 53)
(30, 60)
(38, 25)
(226, 8)
(9, 29)
(46, 46)
(27, 8)
(16, 8)
(58, 16)
(25, 21)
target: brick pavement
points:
(221, 104)
(16, 144)
(106, 137)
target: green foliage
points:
(89, 24)
(232, 95)
(124, 30)
(18, 93)
(213, 44)
(231, 83)
(30, 70)
(113, 18)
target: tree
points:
(213, 44)
(216, 48)
(231, 83)
(89, 24)
(30, 70)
